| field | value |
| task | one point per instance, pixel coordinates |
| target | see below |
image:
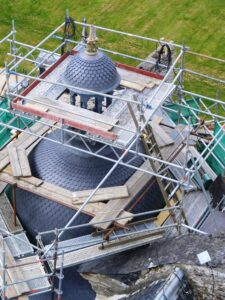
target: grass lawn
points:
(201, 23)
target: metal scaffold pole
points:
(172, 173)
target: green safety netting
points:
(218, 165)
(5, 133)
(186, 112)
(219, 151)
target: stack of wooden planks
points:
(19, 161)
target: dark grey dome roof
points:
(94, 72)
(69, 169)
(74, 171)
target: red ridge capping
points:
(139, 71)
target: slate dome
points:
(73, 170)
(91, 69)
(97, 73)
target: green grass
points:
(200, 23)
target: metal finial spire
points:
(92, 46)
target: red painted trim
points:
(72, 123)
(74, 52)
(69, 122)
(42, 76)
(139, 71)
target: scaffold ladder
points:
(166, 186)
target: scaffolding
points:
(173, 161)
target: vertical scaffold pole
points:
(14, 186)
(180, 81)
(55, 256)
(3, 270)
(60, 277)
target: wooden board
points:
(23, 161)
(80, 118)
(7, 215)
(37, 106)
(95, 252)
(114, 207)
(14, 273)
(26, 140)
(31, 267)
(68, 118)
(29, 184)
(14, 160)
(162, 138)
(163, 215)
(103, 194)
(132, 85)
(151, 85)
(52, 192)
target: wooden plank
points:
(163, 215)
(14, 273)
(24, 139)
(126, 214)
(37, 106)
(81, 112)
(84, 115)
(103, 194)
(28, 184)
(53, 188)
(11, 292)
(150, 85)
(23, 161)
(32, 268)
(114, 207)
(24, 297)
(162, 138)
(132, 85)
(95, 252)
(7, 215)
(70, 120)
(52, 193)
(14, 160)
(33, 180)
